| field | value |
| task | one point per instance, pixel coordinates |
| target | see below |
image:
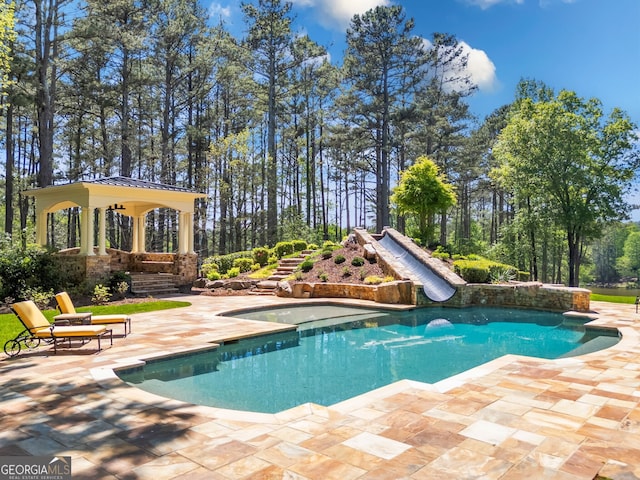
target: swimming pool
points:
(339, 352)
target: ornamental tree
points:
(424, 192)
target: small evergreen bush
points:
(283, 249)
(306, 266)
(357, 261)
(299, 245)
(339, 259)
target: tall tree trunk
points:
(46, 50)
(10, 162)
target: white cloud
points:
(484, 4)
(338, 13)
(480, 68)
(219, 12)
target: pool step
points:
(598, 343)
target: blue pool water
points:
(339, 353)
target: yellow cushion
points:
(31, 315)
(64, 303)
(72, 331)
(98, 319)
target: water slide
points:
(435, 287)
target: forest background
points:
(289, 145)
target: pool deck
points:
(512, 418)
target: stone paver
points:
(513, 418)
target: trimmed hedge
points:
(225, 262)
(480, 270)
(283, 249)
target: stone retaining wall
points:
(400, 292)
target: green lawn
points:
(612, 298)
(10, 326)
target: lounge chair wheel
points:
(12, 348)
(31, 343)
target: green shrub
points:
(326, 254)
(255, 267)
(244, 264)
(233, 272)
(357, 261)
(116, 281)
(306, 266)
(225, 262)
(346, 272)
(101, 294)
(299, 245)
(273, 260)
(440, 253)
(283, 249)
(476, 269)
(323, 276)
(501, 273)
(214, 275)
(261, 255)
(312, 246)
(373, 280)
(32, 267)
(42, 298)
(339, 259)
(207, 268)
(472, 271)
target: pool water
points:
(333, 358)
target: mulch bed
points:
(344, 272)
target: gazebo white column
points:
(191, 232)
(102, 236)
(134, 236)
(86, 226)
(183, 239)
(140, 223)
(41, 227)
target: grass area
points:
(596, 297)
(10, 326)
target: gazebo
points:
(126, 196)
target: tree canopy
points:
(565, 160)
(288, 142)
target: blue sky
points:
(589, 46)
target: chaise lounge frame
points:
(37, 328)
(66, 307)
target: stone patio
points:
(512, 418)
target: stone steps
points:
(153, 284)
(286, 267)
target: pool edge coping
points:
(107, 377)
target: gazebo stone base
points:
(98, 268)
